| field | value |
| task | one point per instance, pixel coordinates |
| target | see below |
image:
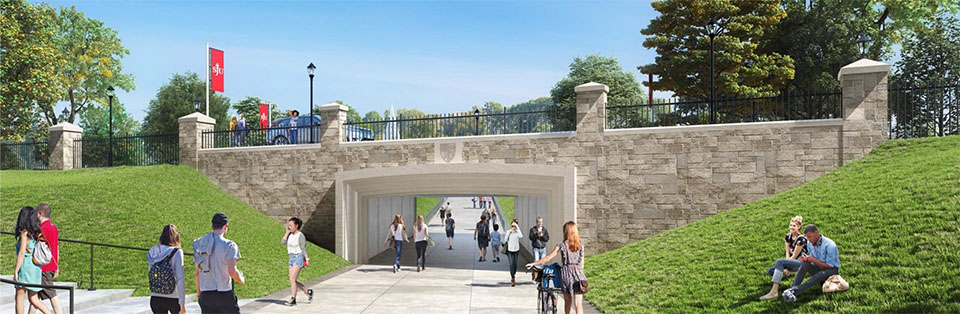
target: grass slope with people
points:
(129, 206)
(895, 216)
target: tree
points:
(175, 99)
(91, 53)
(624, 88)
(250, 108)
(541, 103)
(930, 57)
(680, 39)
(95, 121)
(373, 115)
(27, 68)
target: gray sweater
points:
(156, 254)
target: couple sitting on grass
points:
(806, 253)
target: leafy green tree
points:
(92, 53)
(929, 57)
(541, 103)
(624, 88)
(373, 115)
(679, 37)
(95, 121)
(27, 66)
(250, 108)
(175, 99)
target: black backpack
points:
(163, 280)
(484, 230)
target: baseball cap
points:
(220, 219)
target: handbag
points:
(42, 254)
(430, 241)
(835, 284)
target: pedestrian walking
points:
(495, 242)
(167, 282)
(474, 202)
(571, 271)
(444, 209)
(297, 258)
(512, 241)
(420, 236)
(232, 130)
(294, 117)
(482, 235)
(49, 271)
(538, 239)
(241, 130)
(483, 202)
(26, 270)
(398, 233)
(449, 225)
(215, 268)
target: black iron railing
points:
(924, 111)
(553, 119)
(25, 156)
(92, 244)
(786, 106)
(260, 136)
(70, 288)
(140, 150)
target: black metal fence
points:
(924, 111)
(786, 106)
(260, 136)
(461, 124)
(25, 156)
(141, 150)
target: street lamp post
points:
(476, 122)
(863, 44)
(310, 69)
(110, 94)
(714, 28)
(196, 104)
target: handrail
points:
(17, 283)
(92, 244)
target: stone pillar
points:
(191, 131)
(332, 117)
(865, 121)
(591, 110)
(61, 145)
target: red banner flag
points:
(216, 70)
(264, 116)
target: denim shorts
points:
(296, 260)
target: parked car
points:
(278, 136)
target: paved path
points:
(454, 281)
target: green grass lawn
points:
(895, 216)
(129, 206)
(507, 207)
(425, 204)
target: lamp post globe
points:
(863, 44)
(476, 122)
(110, 94)
(310, 69)
(196, 104)
(66, 111)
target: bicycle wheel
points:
(553, 303)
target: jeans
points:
(233, 140)
(243, 138)
(817, 277)
(783, 264)
(422, 253)
(398, 247)
(539, 253)
(293, 136)
(512, 256)
(474, 203)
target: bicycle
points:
(547, 287)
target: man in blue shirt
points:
(822, 263)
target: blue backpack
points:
(554, 282)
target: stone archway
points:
(354, 189)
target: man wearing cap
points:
(215, 264)
(823, 262)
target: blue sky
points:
(437, 56)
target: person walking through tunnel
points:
(296, 244)
(495, 242)
(398, 232)
(420, 235)
(512, 241)
(449, 225)
(482, 235)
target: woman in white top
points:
(296, 244)
(512, 240)
(420, 235)
(397, 232)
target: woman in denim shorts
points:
(297, 251)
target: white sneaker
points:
(788, 295)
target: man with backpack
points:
(215, 264)
(482, 235)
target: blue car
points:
(302, 132)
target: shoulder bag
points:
(42, 254)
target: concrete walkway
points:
(454, 281)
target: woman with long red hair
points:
(571, 260)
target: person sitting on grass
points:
(823, 262)
(795, 246)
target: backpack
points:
(163, 280)
(484, 231)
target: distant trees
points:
(930, 57)
(175, 99)
(95, 121)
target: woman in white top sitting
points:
(297, 251)
(398, 233)
(420, 235)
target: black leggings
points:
(422, 253)
(513, 263)
(164, 305)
